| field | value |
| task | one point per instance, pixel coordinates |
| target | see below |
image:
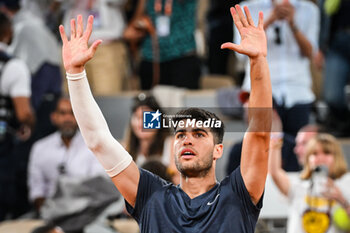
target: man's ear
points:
(218, 150)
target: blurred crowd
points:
(147, 44)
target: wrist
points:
(258, 58)
(75, 69)
(76, 76)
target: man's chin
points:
(68, 133)
(189, 170)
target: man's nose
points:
(187, 140)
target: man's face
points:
(195, 151)
(64, 119)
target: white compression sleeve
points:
(93, 126)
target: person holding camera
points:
(321, 189)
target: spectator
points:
(62, 153)
(174, 23)
(109, 69)
(16, 122)
(35, 44)
(50, 11)
(312, 202)
(143, 144)
(303, 137)
(38, 7)
(292, 30)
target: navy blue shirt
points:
(164, 207)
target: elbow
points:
(95, 141)
(260, 134)
(93, 144)
(260, 129)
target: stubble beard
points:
(198, 168)
(68, 132)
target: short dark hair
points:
(203, 115)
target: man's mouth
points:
(187, 153)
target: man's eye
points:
(199, 135)
(180, 135)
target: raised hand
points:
(253, 39)
(76, 52)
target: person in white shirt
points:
(62, 153)
(37, 47)
(292, 28)
(16, 121)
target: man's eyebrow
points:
(180, 131)
(193, 130)
(199, 130)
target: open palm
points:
(253, 39)
(76, 52)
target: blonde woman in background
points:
(313, 210)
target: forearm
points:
(260, 100)
(91, 122)
(24, 112)
(303, 43)
(94, 129)
(256, 141)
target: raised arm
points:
(276, 171)
(116, 161)
(255, 148)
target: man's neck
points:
(196, 186)
(66, 141)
